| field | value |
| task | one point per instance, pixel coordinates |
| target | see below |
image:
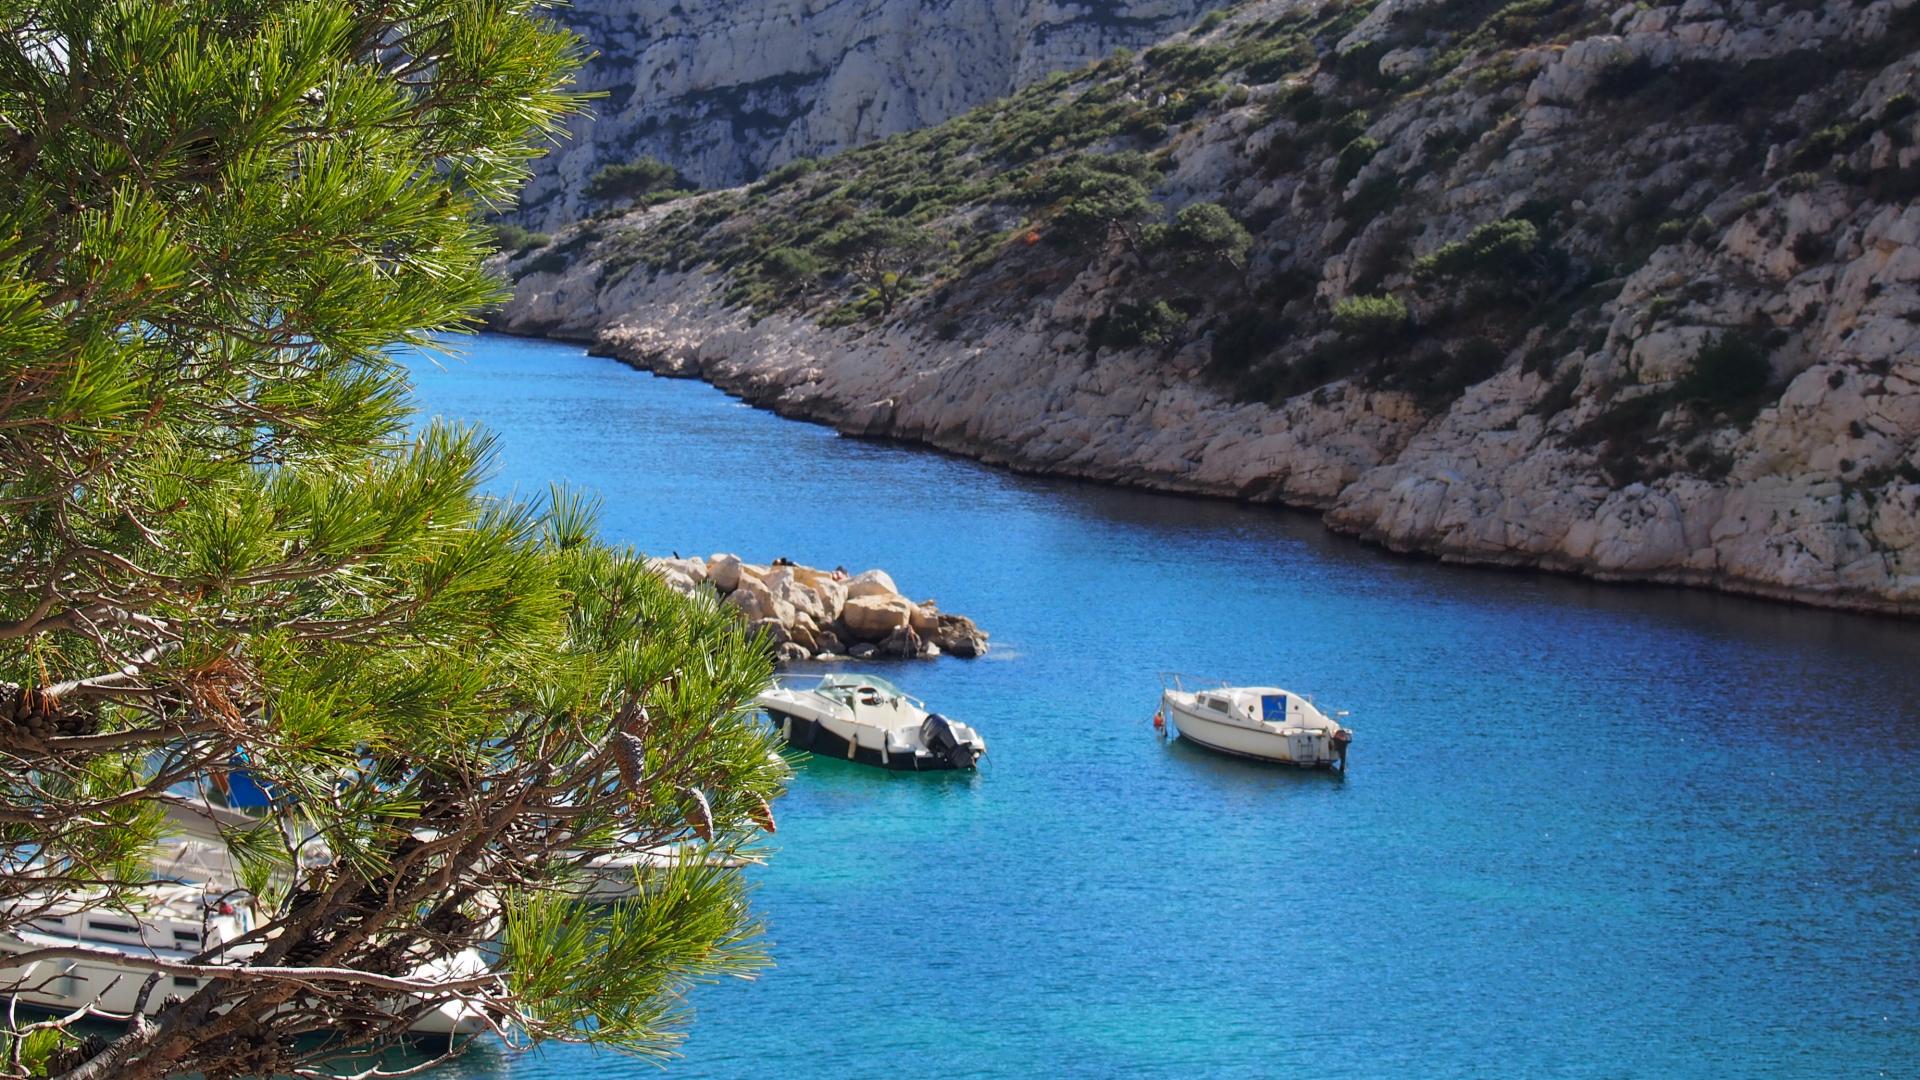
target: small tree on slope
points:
(221, 548)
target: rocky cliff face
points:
(1626, 291)
(725, 89)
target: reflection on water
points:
(1589, 830)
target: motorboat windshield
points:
(866, 689)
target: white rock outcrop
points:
(810, 613)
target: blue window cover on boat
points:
(242, 789)
(1273, 706)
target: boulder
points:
(958, 635)
(829, 594)
(676, 579)
(924, 618)
(750, 604)
(902, 644)
(724, 572)
(872, 618)
(775, 630)
(826, 641)
(788, 588)
(693, 570)
(864, 651)
(790, 651)
(757, 602)
(805, 631)
(871, 583)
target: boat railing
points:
(1186, 682)
(802, 680)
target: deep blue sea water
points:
(1589, 831)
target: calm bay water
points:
(1588, 831)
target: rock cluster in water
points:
(812, 614)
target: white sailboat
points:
(1264, 722)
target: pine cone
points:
(763, 816)
(77, 723)
(700, 815)
(306, 951)
(631, 757)
(639, 723)
(69, 1058)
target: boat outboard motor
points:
(937, 732)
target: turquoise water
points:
(1588, 831)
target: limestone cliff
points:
(725, 89)
(1625, 290)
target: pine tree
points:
(225, 549)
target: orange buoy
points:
(1159, 722)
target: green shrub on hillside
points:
(881, 253)
(1729, 370)
(791, 266)
(1207, 232)
(1371, 319)
(633, 180)
(1499, 249)
(788, 173)
(513, 239)
(1347, 128)
(1136, 323)
(1096, 193)
(1438, 376)
(1354, 157)
(1189, 63)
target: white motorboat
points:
(867, 719)
(1264, 722)
(195, 905)
(176, 923)
(617, 875)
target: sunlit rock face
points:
(725, 89)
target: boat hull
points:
(110, 991)
(63, 986)
(1304, 750)
(805, 733)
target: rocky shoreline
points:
(813, 614)
(1135, 420)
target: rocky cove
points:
(1685, 206)
(811, 614)
(1642, 810)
